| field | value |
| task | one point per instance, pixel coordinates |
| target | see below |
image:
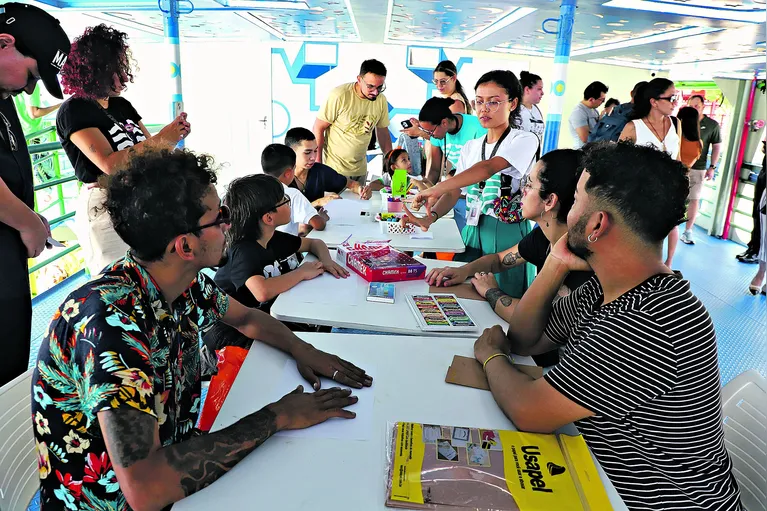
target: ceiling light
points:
(628, 63)
(750, 15)
(519, 51)
(663, 36)
(268, 4)
(515, 15)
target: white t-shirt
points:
(301, 211)
(518, 149)
(645, 136)
(531, 120)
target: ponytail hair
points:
(528, 80)
(391, 158)
(447, 67)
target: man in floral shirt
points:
(116, 391)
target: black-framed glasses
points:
(371, 88)
(224, 217)
(672, 98)
(429, 132)
(285, 200)
(492, 106)
(9, 131)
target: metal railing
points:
(45, 155)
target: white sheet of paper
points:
(344, 291)
(421, 235)
(345, 211)
(359, 428)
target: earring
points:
(547, 222)
(590, 240)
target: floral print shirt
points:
(115, 343)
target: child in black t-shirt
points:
(263, 262)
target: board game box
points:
(376, 262)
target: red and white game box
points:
(376, 261)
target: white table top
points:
(319, 474)
(294, 305)
(345, 221)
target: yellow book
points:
(434, 467)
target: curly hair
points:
(642, 185)
(157, 197)
(95, 58)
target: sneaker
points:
(686, 238)
(749, 259)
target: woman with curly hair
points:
(99, 131)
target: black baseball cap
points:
(41, 37)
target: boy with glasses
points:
(263, 261)
(346, 121)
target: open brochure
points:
(458, 468)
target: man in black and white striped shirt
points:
(639, 375)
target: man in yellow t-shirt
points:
(345, 122)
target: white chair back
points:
(744, 405)
(18, 459)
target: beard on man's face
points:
(577, 242)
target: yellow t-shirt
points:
(352, 121)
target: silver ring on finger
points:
(334, 374)
(482, 273)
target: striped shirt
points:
(646, 366)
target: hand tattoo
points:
(511, 259)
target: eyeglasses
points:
(673, 98)
(224, 217)
(371, 88)
(429, 132)
(442, 81)
(11, 137)
(527, 185)
(285, 200)
(492, 106)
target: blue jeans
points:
(459, 212)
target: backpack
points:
(611, 126)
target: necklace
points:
(662, 140)
(301, 184)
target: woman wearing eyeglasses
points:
(653, 125)
(490, 171)
(548, 194)
(445, 78)
(99, 131)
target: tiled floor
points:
(717, 278)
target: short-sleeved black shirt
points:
(78, 114)
(321, 179)
(16, 173)
(247, 258)
(534, 248)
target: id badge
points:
(472, 214)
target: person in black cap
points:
(33, 47)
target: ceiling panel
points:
(640, 33)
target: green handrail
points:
(54, 182)
(48, 261)
(40, 133)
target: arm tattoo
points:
(129, 435)
(201, 460)
(92, 148)
(493, 295)
(511, 259)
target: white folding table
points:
(346, 223)
(324, 474)
(329, 304)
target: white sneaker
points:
(686, 238)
